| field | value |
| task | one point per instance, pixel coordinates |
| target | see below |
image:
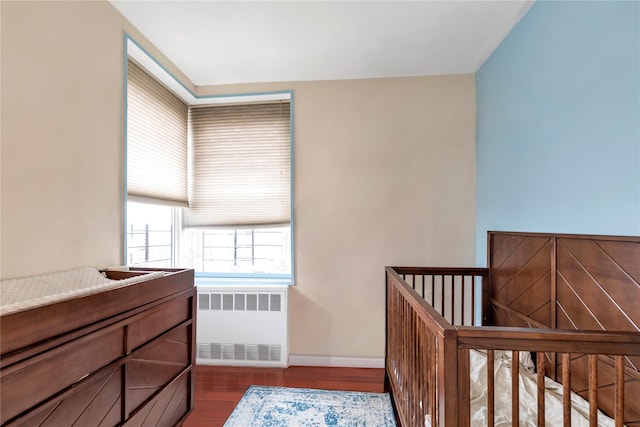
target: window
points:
(212, 252)
(156, 141)
(221, 200)
(149, 235)
(237, 251)
(240, 168)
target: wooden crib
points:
(572, 301)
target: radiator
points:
(242, 326)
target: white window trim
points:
(133, 49)
(137, 52)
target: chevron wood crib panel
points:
(598, 288)
(576, 282)
(521, 280)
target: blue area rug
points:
(303, 407)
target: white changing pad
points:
(29, 292)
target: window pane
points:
(244, 238)
(263, 237)
(244, 253)
(247, 251)
(149, 235)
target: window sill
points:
(242, 281)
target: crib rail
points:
(452, 291)
(428, 359)
(415, 367)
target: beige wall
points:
(384, 175)
(384, 171)
(62, 136)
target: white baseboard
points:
(336, 361)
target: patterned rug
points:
(303, 407)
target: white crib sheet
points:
(30, 292)
(528, 396)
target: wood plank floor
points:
(219, 389)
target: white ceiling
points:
(222, 42)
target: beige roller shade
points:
(156, 141)
(241, 165)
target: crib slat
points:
(442, 295)
(433, 294)
(464, 417)
(473, 300)
(490, 389)
(431, 389)
(453, 297)
(462, 299)
(593, 390)
(515, 388)
(619, 414)
(415, 382)
(540, 378)
(411, 344)
(434, 376)
(566, 390)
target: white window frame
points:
(134, 50)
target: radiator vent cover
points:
(243, 326)
(240, 301)
(240, 352)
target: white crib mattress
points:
(34, 291)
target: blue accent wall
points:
(558, 123)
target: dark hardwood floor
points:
(219, 389)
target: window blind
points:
(241, 165)
(156, 141)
